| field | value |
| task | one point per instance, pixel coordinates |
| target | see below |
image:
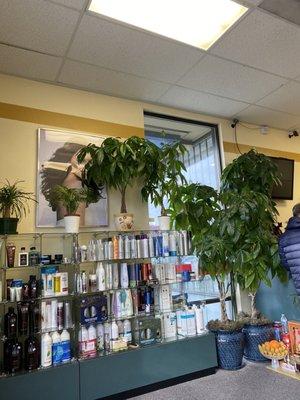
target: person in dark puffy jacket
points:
(289, 247)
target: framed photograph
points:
(58, 165)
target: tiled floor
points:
(254, 382)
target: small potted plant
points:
(13, 206)
(257, 258)
(70, 199)
(167, 177)
(117, 165)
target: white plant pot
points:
(72, 223)
(164, 223)
(124, 222)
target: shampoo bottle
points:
(108, 276)
(66, 346)
(127, 331)
(100, 337)
(46, 350)
(56, 348)
(31, 353)
(124, 276)
(114, 331)
(100, 274)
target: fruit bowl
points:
(274, 351)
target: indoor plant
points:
(70, 199)
(118, 164)
(168, 175)
(212, 218)
(257, 257)
(13, 205)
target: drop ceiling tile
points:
(226, 78)
(250, 2)
(192, 100)
(37, 25)
(263, 116)
(263, 41)
(287, 9)
(78, 4)
(286, 99)
(28, 64)
(111, 45)
(106, 81)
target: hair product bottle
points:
(12, 356)
(56, 348)
(100, 274)
(23, 258)
(31, 353)
(66, 346)
(10, 254)
(23, 318)
(127, 331)
(124, 276)
(10, 323)
(46, 350)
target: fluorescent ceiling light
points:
(196, 22)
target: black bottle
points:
(23, 310)
(34, 318)
(32, 287)
(32, 353)
(12, 356)
(34, 257)
(10, 323)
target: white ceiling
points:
(251, 73)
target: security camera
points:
(293, 133)
(234, 123)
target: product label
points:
(57, 353)
(66, 356)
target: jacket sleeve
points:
(282, 256)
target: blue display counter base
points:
(117, 375)
(123, 372)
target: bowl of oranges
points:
(273, 350)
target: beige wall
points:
(18, 138)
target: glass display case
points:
(65, 297)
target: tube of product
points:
(172, 244)
(133, 247)
(100, 250)
(48, 316)
(68, 323)
(54, 314)
(115, 275)
(115, 243)
(18, 290)
(165, 238)
(144, 246)
(10, 254)
(151, 246)
(60, 316)
(43, 315)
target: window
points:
(202, 162)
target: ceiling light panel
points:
(196, 22)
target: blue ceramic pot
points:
(255, 335)
(230, 348)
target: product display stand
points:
(95, 302)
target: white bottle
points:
(84, 282)
(66, 346)
(124, 276)
(92, 343)
(54, 314)
(121, 248)
(100, 274)
(108, 276)
(83, 337)
(133, 247)
(151, 246)
(127, 331)
(56, 348)
(144, 246)
(46, 350)
(199, 315)
(114, 331)
(115, 275)
(100, 337)
(191, 322)
(127, 247)
(120, 328)
(172, 245)
(107, 335)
